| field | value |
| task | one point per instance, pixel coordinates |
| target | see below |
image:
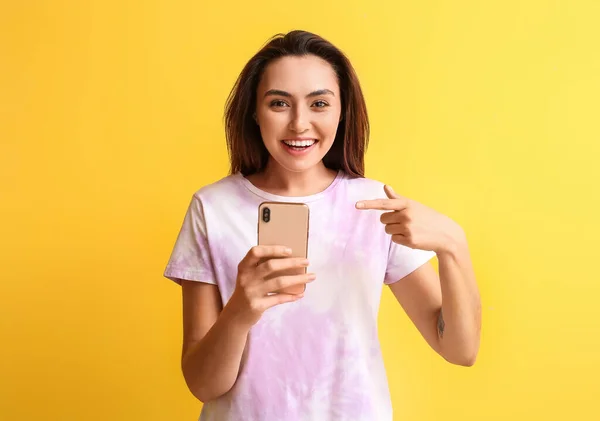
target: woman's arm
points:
(213, 341)
(445, 308)
(459, 321)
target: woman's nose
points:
(300, 121)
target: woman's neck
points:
(277, 180)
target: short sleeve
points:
(191, 258)
(403, 260)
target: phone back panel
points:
(287, 225)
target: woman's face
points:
(298, 109)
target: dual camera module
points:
(266, 214)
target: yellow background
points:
(110, 118)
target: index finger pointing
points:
(381, 204)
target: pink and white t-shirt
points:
(319, 358)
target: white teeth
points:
(299, 143)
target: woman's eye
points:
(280, 103)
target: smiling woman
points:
(297, 131)
(299, 87)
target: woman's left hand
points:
(415, 225)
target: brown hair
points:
(247, 151)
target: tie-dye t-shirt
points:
(319, 358)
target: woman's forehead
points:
(299, 76)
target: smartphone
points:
(285, 224)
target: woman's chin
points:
(297, 165)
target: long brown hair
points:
(247, 151)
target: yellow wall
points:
(110, 117)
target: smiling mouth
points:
(299, 145)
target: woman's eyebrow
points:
(279, 92)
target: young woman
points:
(297, 131)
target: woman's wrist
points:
(235, 319)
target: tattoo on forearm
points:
(441, 324)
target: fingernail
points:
(360, 205)
(312, 276)
(288, 251)
(305, 262)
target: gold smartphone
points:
(285, 224)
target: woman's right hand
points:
(257, 278)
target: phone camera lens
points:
(266, 214)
